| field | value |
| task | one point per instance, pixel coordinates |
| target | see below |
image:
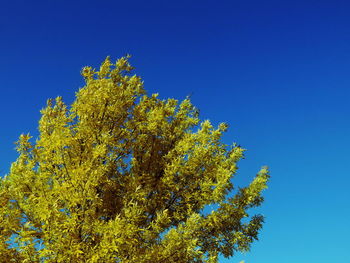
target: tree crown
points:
(120, 176)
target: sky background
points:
(276, 71)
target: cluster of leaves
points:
(124, 177)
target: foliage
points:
(124, 177)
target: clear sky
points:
(276, 71)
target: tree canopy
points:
(121, 176)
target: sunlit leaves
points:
(120, 176)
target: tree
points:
(120, 176)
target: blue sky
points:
(276, 71)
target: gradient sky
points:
(276, 71)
